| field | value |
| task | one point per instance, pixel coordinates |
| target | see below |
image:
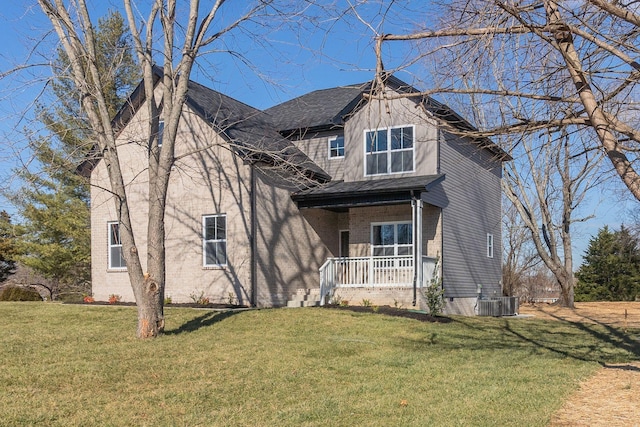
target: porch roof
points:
(339, 195)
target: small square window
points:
(336, 147)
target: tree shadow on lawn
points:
(614, 336)
(604, 344)
(391, 311)
(207, 319)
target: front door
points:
(344, 243)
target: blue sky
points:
(336, 53)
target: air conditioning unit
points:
(498, 306)
(490, 307)
(510, 306)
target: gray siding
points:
(470, 198)
(316, 146)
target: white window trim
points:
(204, 242)
(490, 242)
(395, 236)
(389, 151)
(331, 139)
(110, 246)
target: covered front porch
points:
(389, 238)
(374, 273)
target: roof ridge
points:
(222, 95)
(360, 86)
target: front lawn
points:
(81, 365)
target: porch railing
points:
(370, 272)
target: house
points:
(331, 195)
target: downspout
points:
(252, 237)
(416, 205)
(414, 210)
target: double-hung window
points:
(116, 260)
(389, 150)
(160, 132)
(214, 240)
(392, 239)
(336, 147)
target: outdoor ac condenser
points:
(498, 306)
(490, 307)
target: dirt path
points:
(612, 396)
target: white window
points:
(160, 132)
(489, 245)
(389, 150)
(116, 260)
(214, 240)
(336, 147)
(392, 239)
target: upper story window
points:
(116, 260)
(489, 245)
(336, 147)
(214, 240)
(389, 150)
(392, 239)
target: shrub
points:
(167, 300)
(88, 299)
(16, 293)
(113, 298)
(433, 292)
(231, 298)
(199, 299)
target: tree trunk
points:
(599, 122)
(147, 300)
(566, 294)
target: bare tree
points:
(555, 81)
(170, 34)
(519, 257)
(545, 185)
(585, 52)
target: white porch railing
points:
(370, 272)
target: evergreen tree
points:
(7, 247)
(611, 268)
(54, 236)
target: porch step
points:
(305, 298)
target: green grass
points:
(81, 365)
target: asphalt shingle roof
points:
(327, 108)
(386, 185)
(319, 108)
(336, 194)
(249, 130)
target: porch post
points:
(416, 214)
